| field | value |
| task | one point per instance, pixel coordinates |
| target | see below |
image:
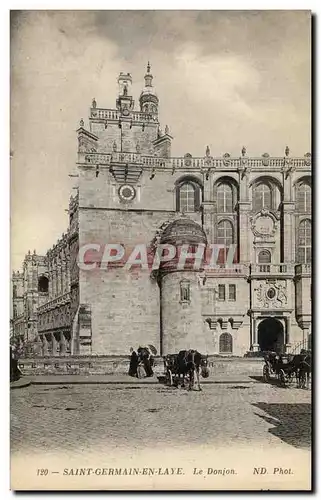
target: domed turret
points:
(183, 231)
(148, 99)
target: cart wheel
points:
(170, 377)
(141, 372)
(266, 373)
(281, 377)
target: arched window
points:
(303, 198)
(14, 291)
(43, 284)
(304, 242)
(225, 236)
(188, 196)
(226, 343)
(262, 197)
(225, 232)
(224, 198)
(264, 257)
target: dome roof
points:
(183, 231)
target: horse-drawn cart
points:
(279, 365)
(170, 369)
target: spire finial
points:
(148, 67)
(287, 151)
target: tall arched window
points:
(188, 196)
(225, 236)
(304, 242)
(224, 198)
(226, 343)
(262, 197)
(264, 257)
(303, 198)
(225, 233)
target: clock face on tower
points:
(126, 192)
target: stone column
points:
(244, 205)
(288, 208)
(287, 334)
(54, 345)
(54, 278)
(58, 277)
(63, 275)
(255, 344)
(68, 273)
(50, 279)
(62, 344)
(45, 348)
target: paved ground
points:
(45, 418)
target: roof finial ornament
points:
(34, 252)
(166, 130)
(94, 103)
(148, 67)
(208, 151)
(287, 151)
(243, 151)
(81, 123)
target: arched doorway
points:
(271, 335)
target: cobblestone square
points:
(81, 417)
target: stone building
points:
(132, 191)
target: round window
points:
(271, 293)
(127, 193)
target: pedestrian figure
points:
(133, 365)
(147, 360)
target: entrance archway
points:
(271, 335)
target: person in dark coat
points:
(148, 361)
(133, 365)
(15, 373)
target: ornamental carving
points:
(272, 295)
(226, 159)
(266, 159)
(264, 224)
(187, 160)
(307, 159)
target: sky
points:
(223, 78)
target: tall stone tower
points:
(181, 301)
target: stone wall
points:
(104, 365)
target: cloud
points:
(223, 79)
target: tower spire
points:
(148, 77)
(148, 98)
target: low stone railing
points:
(107, 365)
(272, 268)
(202, 163)
(52, 304)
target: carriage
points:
(279, 365)
(185, 364)
(171, 369)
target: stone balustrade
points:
(52, 304)
(303, 269)
(202, 163)
(268, 269)
(112, 114)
